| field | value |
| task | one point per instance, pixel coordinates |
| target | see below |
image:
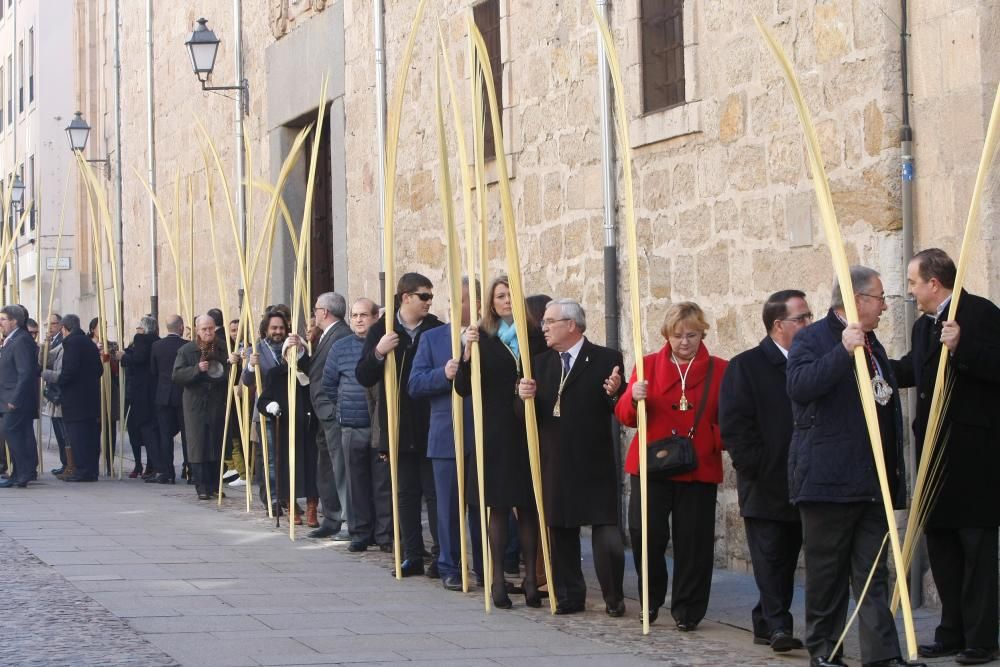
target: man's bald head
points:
(175, 324)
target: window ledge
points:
(668, 124)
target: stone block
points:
(694, 226)
(785, 158)
(683, 277)
(725, 216)
(713, 270)
(711, 178)
(654, 192)
(682, 183)
(748, 167)
(830, 31)
(874, 129)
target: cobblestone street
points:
(120, 573)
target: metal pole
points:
(242, 101)
(14, 279)
(610, 193)
(378, 11)
(154, 294)
(118, 166)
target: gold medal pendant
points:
(684, 404)
(555, 410)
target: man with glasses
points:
(414, 293)
(961, 526)
(755, 416)
(331, 466)
(831, 473)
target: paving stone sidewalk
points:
(152, 576)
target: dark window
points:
(662, 54)
(487, 17)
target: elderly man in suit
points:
(576, 387)
(80, 384)
(167, 402)
(432, 376)
(962, 525)
(755, 416)
(19, 374)
(331, 465)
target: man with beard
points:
(200, 369)
(410, 319)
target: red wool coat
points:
(663, 417)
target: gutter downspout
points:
(609, 181)
(908, 173)
(242, 108)
(378, 15)
(118, 164)
(151, 156)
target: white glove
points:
(273, 409)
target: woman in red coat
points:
(674, 389)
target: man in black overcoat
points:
(19, 373)
(575, 389)
(167, 402)
(80, 384)
(755, 416)
(961, 528)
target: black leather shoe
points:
(203, 496)
(684, 626)
(322, 531)
(432, 570)
(615, 610)
(894, 662)
(353, 547)
(977, 656)
(782, 641)
(162, 479)
(410, 568)
(452, 582)
(653, 615)
(80, 478)
(937, 650)
(385, 548)
(570, 608)
(822, 661)
(58, 471)
(761, 641)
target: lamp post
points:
(203, 47)
(78, 132)
(16, 208)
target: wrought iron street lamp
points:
(78, 132)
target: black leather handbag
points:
(675, 455)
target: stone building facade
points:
(724, 198)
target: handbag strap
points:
(704, 397)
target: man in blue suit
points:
(433, 372)
(19, 374)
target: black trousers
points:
(774, 551)
(170, 422)
(60, 432)
(964, 565)
(841, 542)
(84, 438)
(688, 508)
(609, 562)
(416, 480)
(20, 434)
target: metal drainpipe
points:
(118, 165)
(154, 296)
(908, 173)
(242, 104)
(378, 12)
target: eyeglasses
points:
(873, 296)
(798, 319)
(423, 296)
(688, 337)
(315, 308)
(550, 322)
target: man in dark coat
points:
(331, 464)
(201, 369)
(140, 388)
(962, 524)
(167, 399)
(755, 417)
(414, 294)
(19, 373)
(832, 478)
(576, 387)
(80, 385)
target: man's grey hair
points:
(70, 322)
(148, 324)
(465, 284)
(333, 303)
(572, 310)
(16, 313)
(202, 318)
(862, 278)
(175, 324)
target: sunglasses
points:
(423, 296)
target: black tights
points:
(527, 531)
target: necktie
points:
(565, 359)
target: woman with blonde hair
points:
(681, 391)
(508, 474)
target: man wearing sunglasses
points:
(414, 294)
(755, 416)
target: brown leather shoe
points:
(311, 506)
